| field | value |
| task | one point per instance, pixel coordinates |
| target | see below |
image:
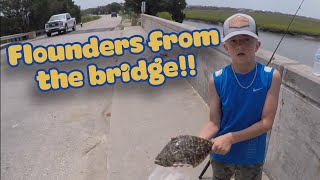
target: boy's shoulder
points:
(221, 71)
(265, 69)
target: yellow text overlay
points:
(55, 79)
(94, 48)
(198, 38)
(155, 73)
(26, 53)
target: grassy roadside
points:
(85, 19)
(125, 21)
(266, 21)
(124, 17)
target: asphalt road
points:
(60, 134)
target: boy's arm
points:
(223, 143)
(213, 126)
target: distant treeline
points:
(113, 7)
(153, 7)
(20, 16)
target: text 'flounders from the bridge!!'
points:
(155, 72)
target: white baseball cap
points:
(239, 24)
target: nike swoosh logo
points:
(255, 90)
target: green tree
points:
(154, 6)
(175, 8)
(114, 7)
(15, 15)
(27, 15)
(133, 5)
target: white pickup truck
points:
(60, 23)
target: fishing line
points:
(274, 53)
(285, 33)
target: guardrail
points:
(21, 36)
(5, 40)
(13, 38)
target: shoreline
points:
(271, 30)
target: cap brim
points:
(230, 35)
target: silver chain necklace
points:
(240, 83)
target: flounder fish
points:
(184, 149)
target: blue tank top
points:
(242, 108)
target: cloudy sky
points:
(310, 8)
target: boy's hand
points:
(222, 144)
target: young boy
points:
(243, 103)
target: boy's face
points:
(242, 48)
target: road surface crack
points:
(90, 147)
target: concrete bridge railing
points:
(294, 148)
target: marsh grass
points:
(265, 21)
(85, 19)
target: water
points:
(316, 68)
(296, 48)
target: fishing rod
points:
(277, 48)
(208, 164)
(285, 32)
